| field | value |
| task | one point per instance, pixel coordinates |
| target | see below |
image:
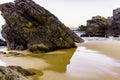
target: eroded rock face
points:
(14, 73)
(97, 26)
(116, 22)
(31, 26)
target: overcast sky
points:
(75, 12)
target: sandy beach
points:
(90, 61)
(110, 48)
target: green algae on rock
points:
(30, 26)
(97, 26)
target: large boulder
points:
(97, 26)
(31, 26)
(116, 22)
(14, 73)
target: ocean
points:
(87, 39)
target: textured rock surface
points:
(31, 26)
(116, 22)
(14, 73)
(97, 26)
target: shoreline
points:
(55, 64)
(109, 48)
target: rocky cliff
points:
(30, 26)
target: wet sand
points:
(98, 60)
(110, 48)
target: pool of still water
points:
(84, 64)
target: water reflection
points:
(59, 62)
(73, 64)
(88, 64)
(83, 64)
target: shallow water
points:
(84, 64)
(72, 64)
(93, 65)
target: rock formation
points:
(115, 29)
(30, 26)
(82, 28)
(2, 43)
(97, 26)
(14, 73)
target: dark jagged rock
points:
(115, 29)
(14, 73)
(31, 26)
(101, 27)
(74, 36)
(82, 28)
(97, 26)
(110, 20)
(2, 43)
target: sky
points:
(74, 13)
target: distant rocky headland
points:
(102, 27)
(30, 26)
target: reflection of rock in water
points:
(2, 63)
(58, 60)
(91, 64)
